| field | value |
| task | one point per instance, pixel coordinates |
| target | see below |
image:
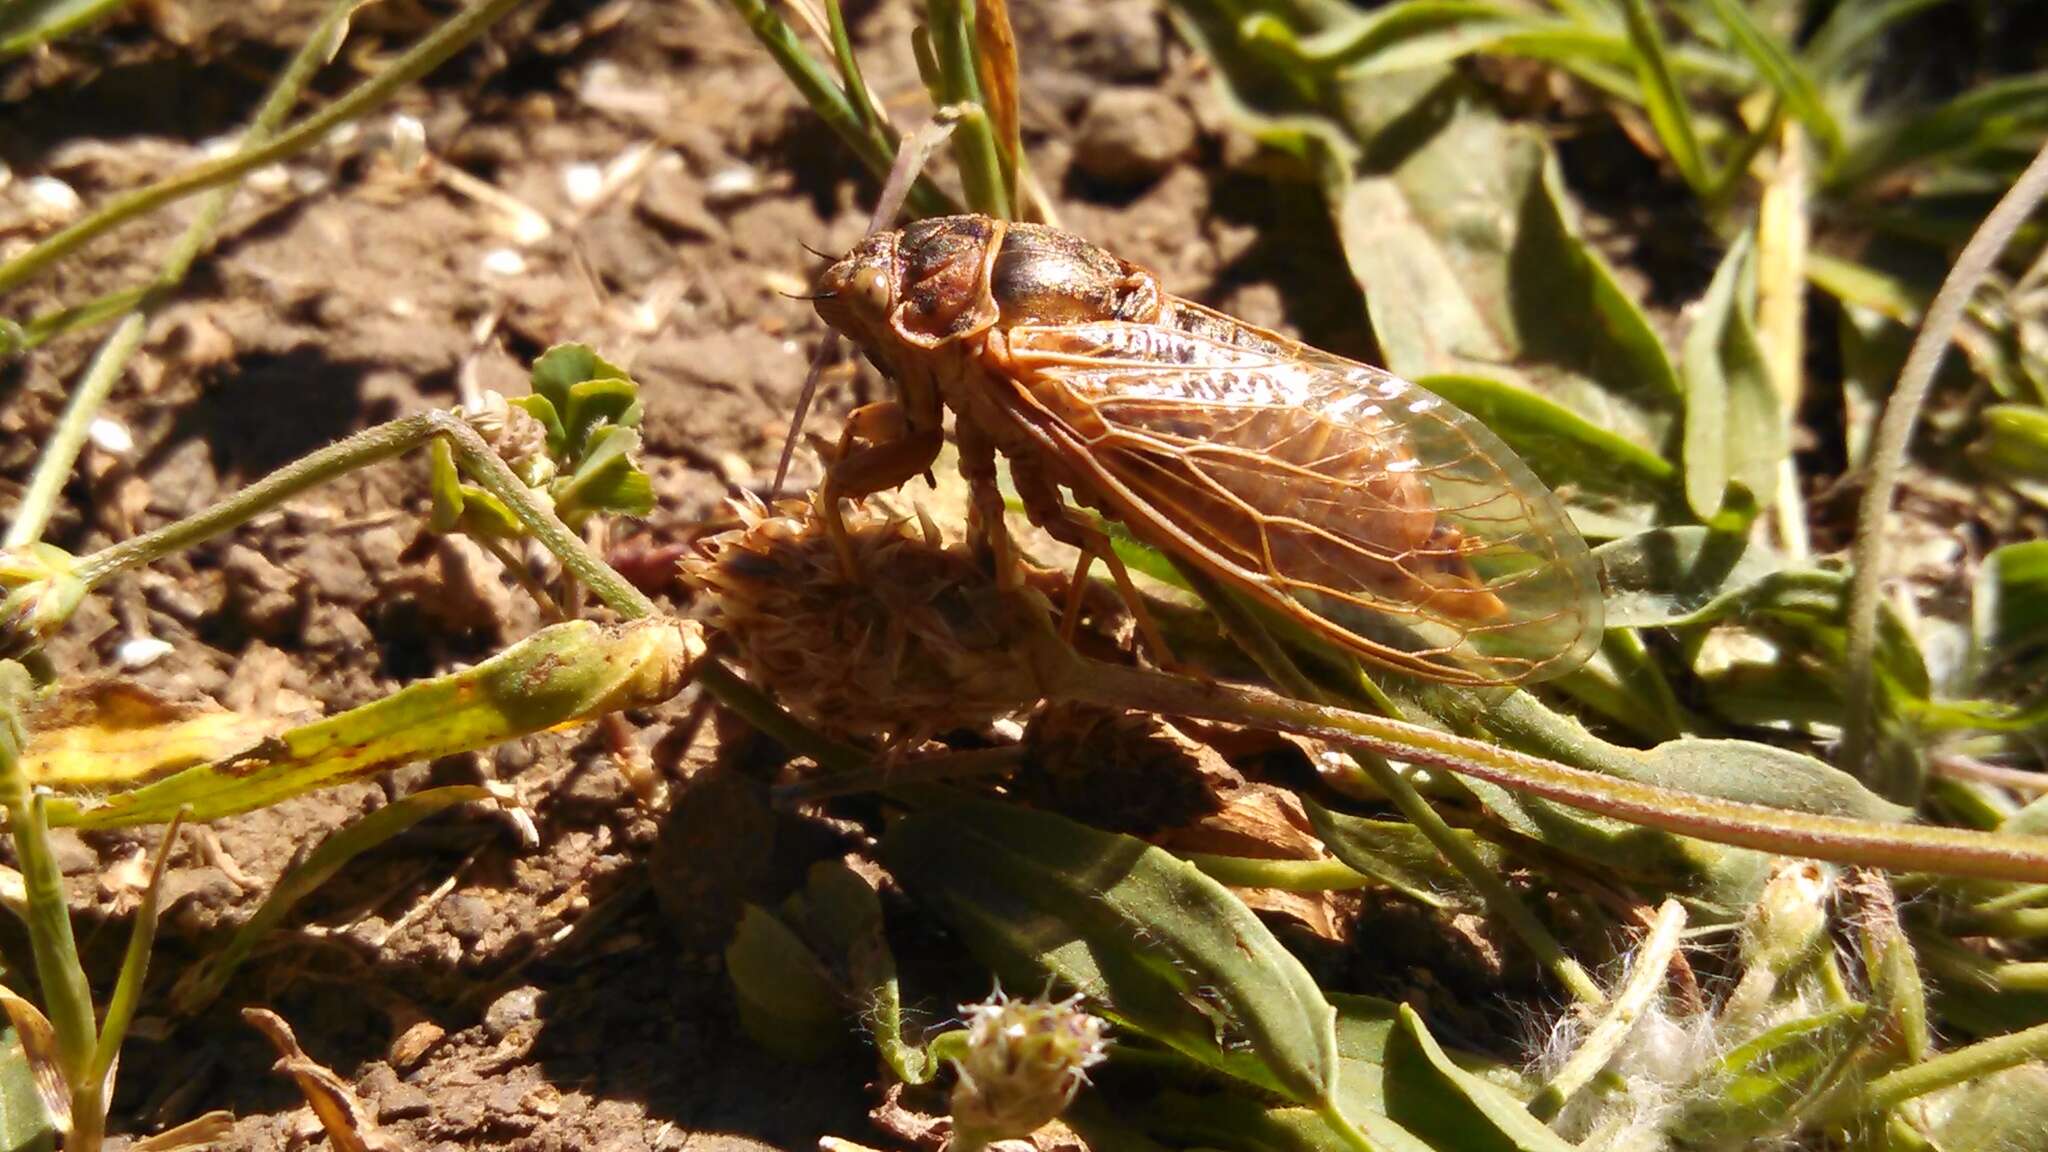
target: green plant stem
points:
(420, 59)
(128, 986)
(851, 81)
(1250, 634)
(1888, 456)
(1957, 1067)
(67, 440)
(60, 452)
(67, 998)
(830, 103)
(1896, 847)
(1282, 875)
(974, 145)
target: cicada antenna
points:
(910, 160)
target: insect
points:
(1348, 500)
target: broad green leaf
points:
(1626, 684)
(1734, 422)
(1238, 1123)
(1471, 267)
(1450, 1108)
(25, 1124)
(2010, 614)
(1559, 445)
(202, 983)
(787, 1001)
(1786, 75)
(26, 25)
(1163, 948)
(1397, 854)
(568, 674)
(595, 404)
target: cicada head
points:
(917, 289)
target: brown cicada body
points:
(1347, 499)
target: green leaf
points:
(2012, 443)
(25, 1124)
(564, 366)
(1786, 75)
(567, 674)
(202, 983)
(1560, 446)
(1165, 950)
(1994, 113)
(595, 404)
(1396, 853)
(1669, 577)
(844, 917)
(26, 25)
(1471, 267)
(2007, 1111)
(1450, 1108)
(2009, 611)
(1852, 27)
(1734, 422)
(544, 410)
(606, 480)
(1669, 113)
(787, 1001)
(1764, 1080)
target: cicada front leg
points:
(898, 449)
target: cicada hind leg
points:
(1043, 503)
(897, 451)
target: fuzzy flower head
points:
(1023, 1062)
(918, 642)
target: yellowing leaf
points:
(108, 735)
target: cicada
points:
(1346, 499)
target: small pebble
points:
(503, 262)
(1132, 135)
(514, 1008)
(110, 436)
(141, 652)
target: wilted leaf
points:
(1428, 1094)
(567, 674)
(200, 984)
(348, 1123)
(106, 735)
(1734, 420)
(1163, 949)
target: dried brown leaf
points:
(349, 1124)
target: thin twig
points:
(1888, 455)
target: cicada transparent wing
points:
(1353, 501)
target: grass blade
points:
(1669, 114)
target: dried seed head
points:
(515, 433)
(1024, 1061)
(920, 642)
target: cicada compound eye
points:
(872, 289)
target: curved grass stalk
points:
(1888, 456)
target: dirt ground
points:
(635, 175)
